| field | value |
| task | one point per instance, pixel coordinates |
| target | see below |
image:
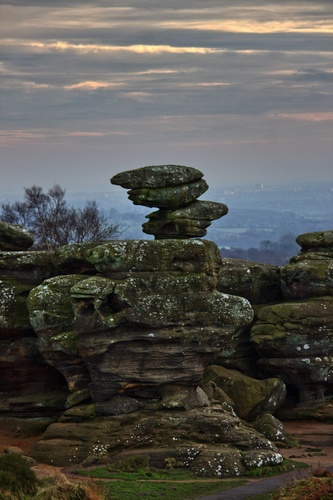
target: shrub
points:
(16, 475)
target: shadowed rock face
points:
(29, 386)
(295, 341)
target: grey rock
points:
(156, 176)
(14, 237)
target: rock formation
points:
(173, 189)
(143, 347)
(294, 339)
(30, 387)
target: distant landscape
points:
(262, 224)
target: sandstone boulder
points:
(151, 329)
(15, 237)
(251, 397)
(28, 268)
(294, 341)
(258, 283)
(188, 222)
(310, 273)
(271, 428)
(211, 442)
(157, 176)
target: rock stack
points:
(174, 190)
(294, 338)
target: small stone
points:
(13, 450)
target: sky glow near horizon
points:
(242, 92)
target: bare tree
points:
(54, 222)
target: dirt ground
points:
(313, 445)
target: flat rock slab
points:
(156, 176)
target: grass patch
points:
(141, 474)
(173, 484)
(268, 471)
(118, 490)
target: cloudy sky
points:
(242, 90)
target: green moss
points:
(67, 340)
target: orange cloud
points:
(309, 117)
(90, 85)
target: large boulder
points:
(211, 442)
(251, 397)
(15, 237)
(146, 322)
(29, 268)
(258, 283)
(294, 341)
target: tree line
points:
(55, 223)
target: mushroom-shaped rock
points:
(174, 189)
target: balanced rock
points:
(310, 273)
(15, 237)
(173, 189)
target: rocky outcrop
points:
(146, 327)
(144, 346)
(173, 189)
(295, 341)
(294, 338)
(29, 386)
(209, 441)
(310, 273)
(258, 283)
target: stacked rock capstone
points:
(174, 190)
